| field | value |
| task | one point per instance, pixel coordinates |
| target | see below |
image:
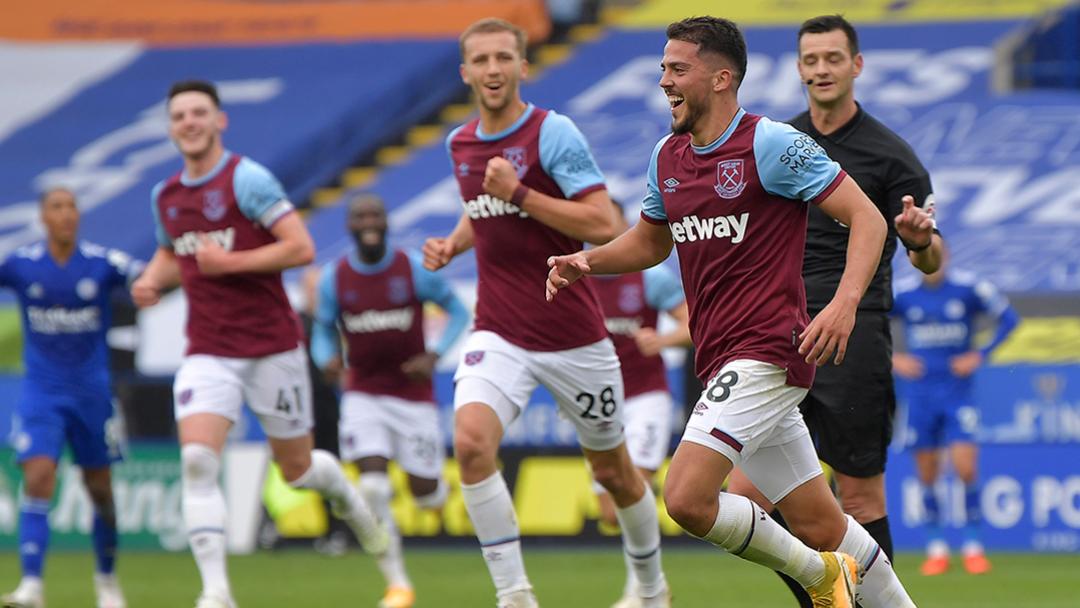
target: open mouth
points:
(675, 100)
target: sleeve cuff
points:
(652, 220)
(833, 185)
(580, 194)
(276, 211)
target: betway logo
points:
(369, 321)
(486, 205)
(623, 326)
(58, 320)
(188, 243)
(693, 228)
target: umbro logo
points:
(670, 183)
(699, 409)
(463, 169)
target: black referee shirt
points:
(886, 169)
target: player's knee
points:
(100, 490)
(686, 507)
(820, 534)
(614, 479)
(472, 448)
(435, 497)
(200, 466)
(39, 482)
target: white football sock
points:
(205, 515)
(641, 543)
(744, 529)
(879, 587)
(492, 513)
(326, 477)
(377, 491)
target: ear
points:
(722, 79)
(524, 68)
(222, 120)
(461, 71)
(858, 61)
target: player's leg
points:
(95, 433)
(491, 380)
(587, 385)
(207, 398)
(741, 409)
(278, 390)
(38, 439)
(964, 452)
(926, 436)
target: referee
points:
(849, 410)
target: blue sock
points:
(933, 514)
(33, 535)
(105, 541)
(973, 511)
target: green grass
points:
(563, 578)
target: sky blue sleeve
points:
(259, 194)
(431, 287)
(565, 156)
(324, 335)
(662, 288)
(163, 239)
(652, 206)
(449, 154)
(791, 164)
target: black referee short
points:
(850, 408)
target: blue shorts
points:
(46, 418)
(938, 417)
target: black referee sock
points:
(796, 589)
(879, 530)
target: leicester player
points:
(939, 315)
(530, 186)
(64, 287)
(225, 231)
(730, 190)
(374, 296)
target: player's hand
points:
(145, 292)
(211, 257)
(908, 366)
(333, 369)
(420, 367)
(965, 364)
(565, 269)
(828, 332)
(914, 224)
(437, 252)
(648, 341)
(500, 178)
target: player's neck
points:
(61, 251)
(496, 121)
(715, 124)
(371, 255)
(827, 118)
(198, 166)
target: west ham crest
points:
(730, 178)
(397, 290)
(213, 207)
(630, 298)
(516, 156)
(474, 357)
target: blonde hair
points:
(493, 25)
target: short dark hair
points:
(46, 193)
(493, 25)
(830, 23)
(200, 86)
(714, 35)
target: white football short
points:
(585, 381)
(749, 414)
(276, 388)
(648, 428)
(406, 432)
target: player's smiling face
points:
(195, 123)
(493, 67)
(367, 223)
(60, 216)
(826, 60)
(688, 80)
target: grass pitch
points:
(564, 578)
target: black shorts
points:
(850, 408)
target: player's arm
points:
(590, 218)
(643, 246)
(830, 329)
(161, 274)
(663, 292)
(438, 251)
(325, 343)
(292, 247)
(994, 303)
(430, 287)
